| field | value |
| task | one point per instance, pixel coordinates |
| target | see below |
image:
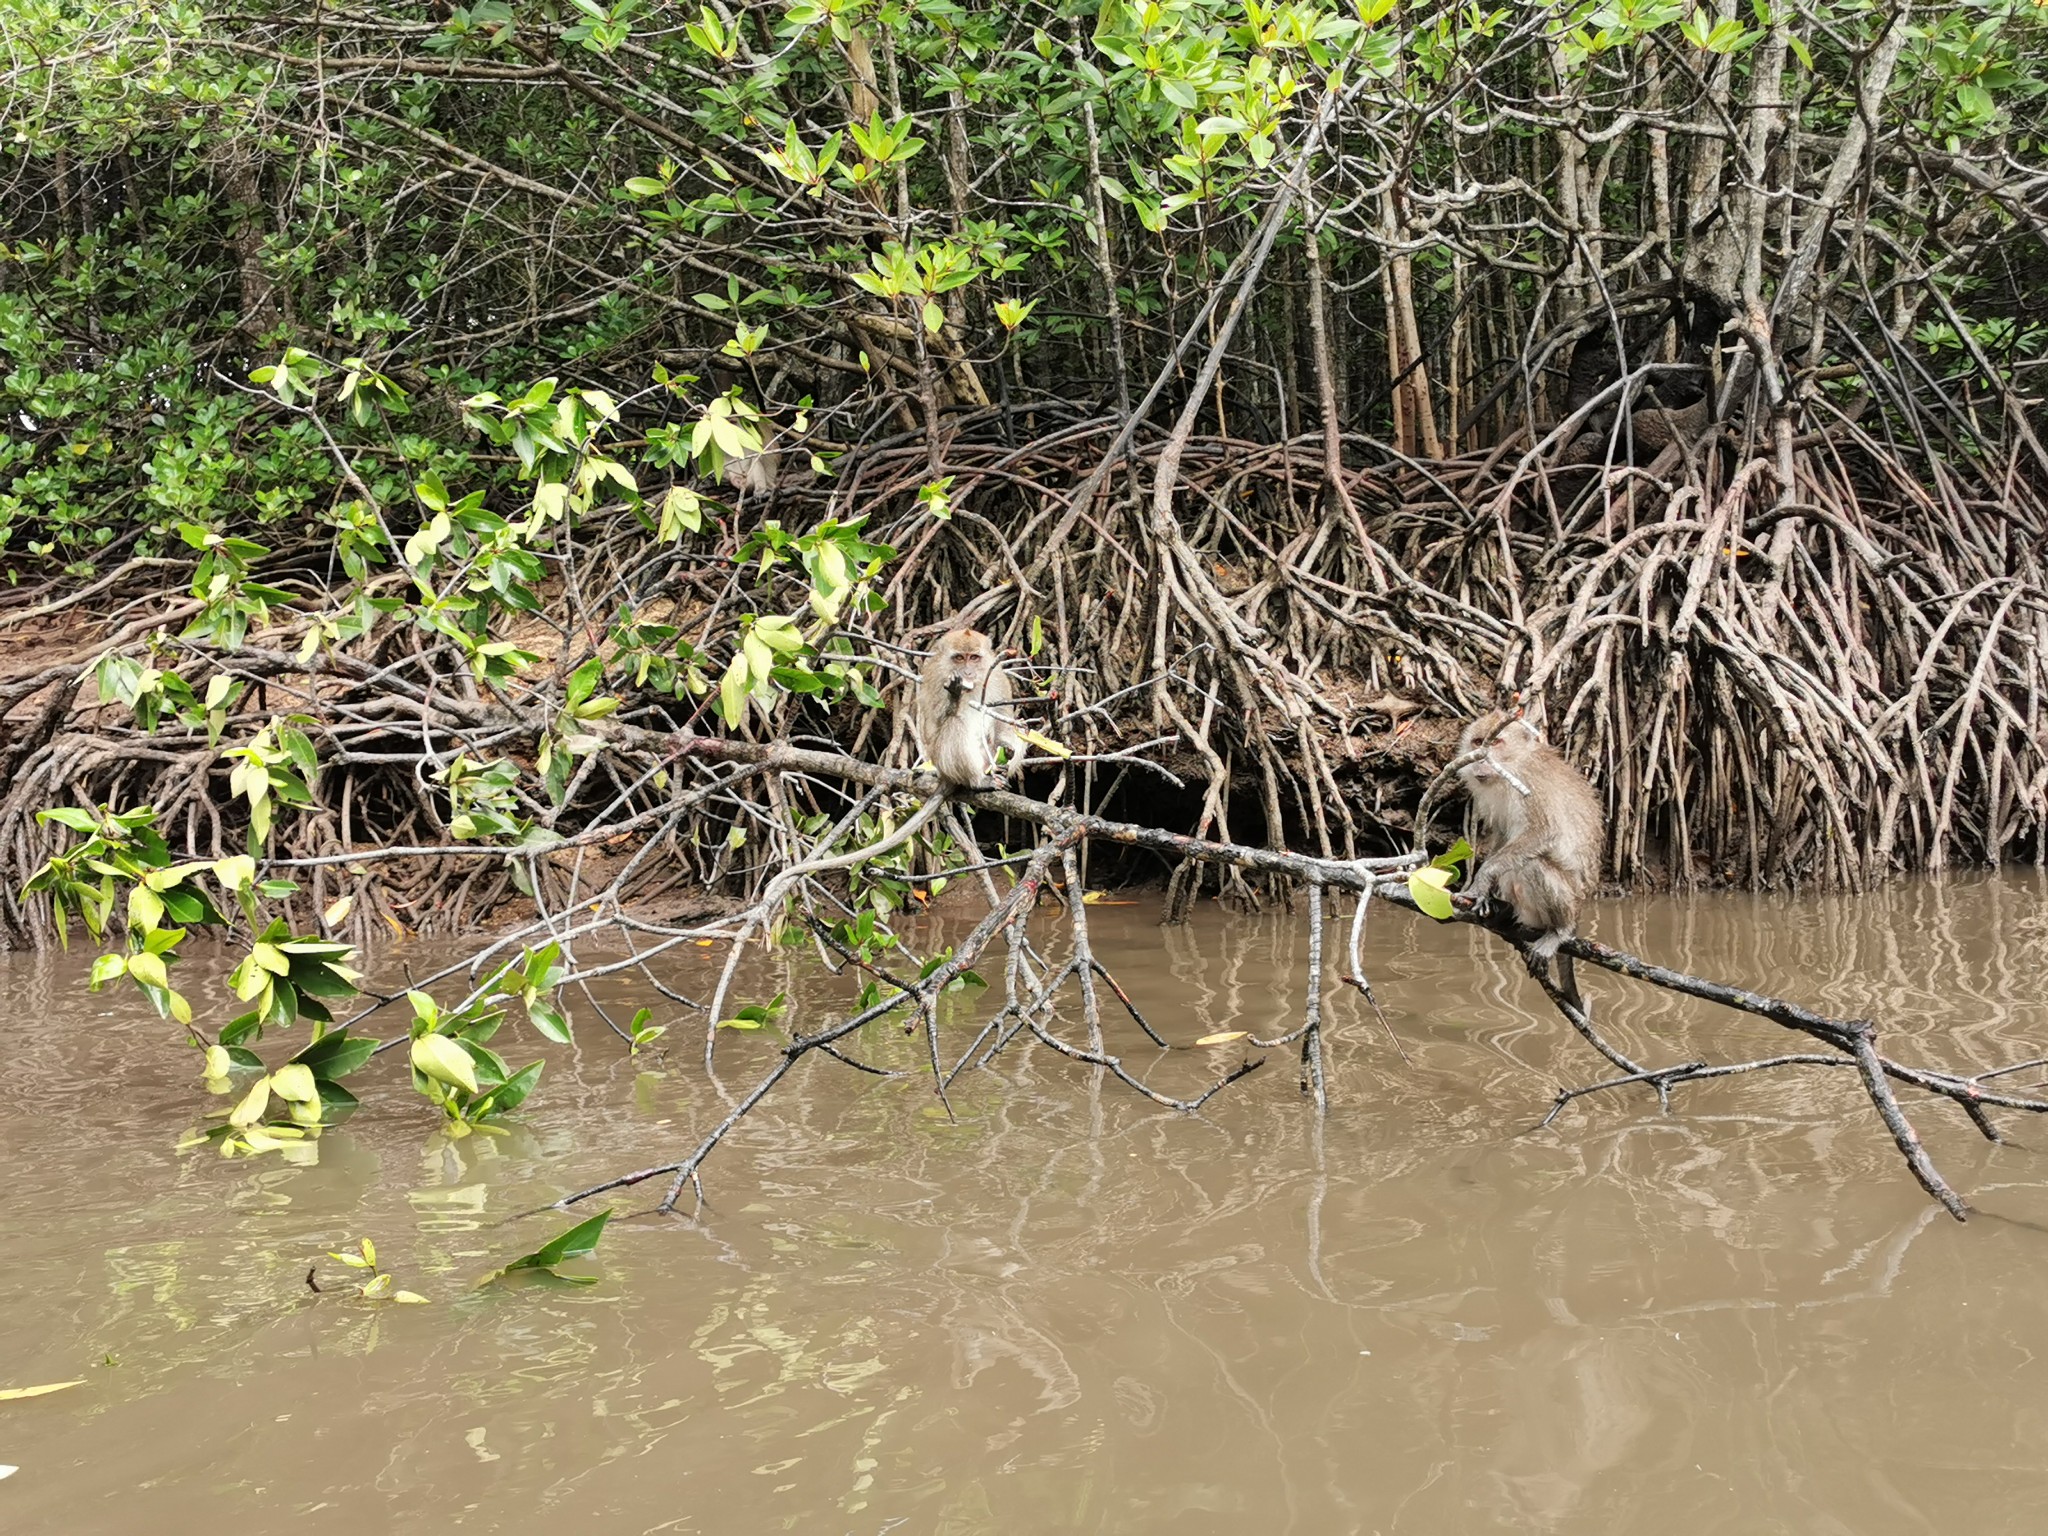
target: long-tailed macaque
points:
(960, 713)
(1543, 824)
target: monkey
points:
(959, 712)
(960, 716)
(1544, 824)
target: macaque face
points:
(968, 660)
(1498, 736)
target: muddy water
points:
(1069, 1310)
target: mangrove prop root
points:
(1825, 678)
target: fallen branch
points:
(1032, 988)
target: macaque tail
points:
(1568, 986)
(1545, 951)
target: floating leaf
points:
(9, 1394)
(576, 1243)
(1225, 1037)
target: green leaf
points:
(335, 1100)
(578, 1242)
(336, 1054)
(584, 679)
(300, 750)
(513, 1092)
(548, 1019)
(1456, 855)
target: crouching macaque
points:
(1543, 827)
(961, 712)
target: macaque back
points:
(1544, 853)
(958, 712)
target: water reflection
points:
(1066, 1309)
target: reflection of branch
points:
(1855, 1041)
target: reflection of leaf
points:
(576, 1243)
(9, 1394)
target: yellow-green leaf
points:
(254, 1103)
(1429, 894)
(443, 1060)
(9, 1394)
(1044, 743)
(145, 910)
(732, 690)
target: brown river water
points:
(1071, 1310)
